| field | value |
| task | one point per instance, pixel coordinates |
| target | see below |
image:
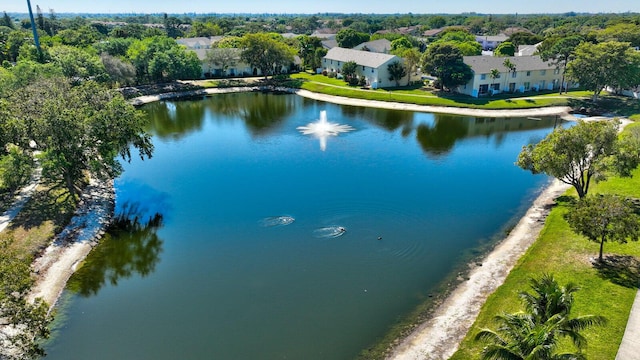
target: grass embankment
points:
(608, 291)
(418, 95)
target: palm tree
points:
(520, 337)
(494, 74)
(534, 334)
(548, 298)
(511, 67)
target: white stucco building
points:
(531, 74)
(373, 66)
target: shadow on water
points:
(130, 247)
(623, 270)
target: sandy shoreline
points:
(59, 260)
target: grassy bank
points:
(42, 217)
(608, 291)
(417, 95)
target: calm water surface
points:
(221, 280)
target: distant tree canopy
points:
(348, 38)
(505, 49)
(159, 59)
(524, 38)
(461, 39)
(78, 64)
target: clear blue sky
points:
(321, 6)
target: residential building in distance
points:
(490, 42)
(527, 50)
(382, 46)
(199, 42)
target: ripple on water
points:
(329, 232)
(276, 221)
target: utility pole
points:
(35, 31)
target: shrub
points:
(353, 80)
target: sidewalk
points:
(630, 346)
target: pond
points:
(281, 242)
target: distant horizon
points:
(280, 7)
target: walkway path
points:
(630, 347)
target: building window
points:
(483, 76)
(483, 89)
(527, 86)
(556, 71)
(528, 73)
(543, 72)
(372, 70)
(495, 87)
(514, 74)
(362, 68)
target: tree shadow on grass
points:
(623, 270)
(566, 200)
(42, 207)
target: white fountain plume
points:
(322, 129)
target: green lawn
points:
(609, 292)
(325, 85)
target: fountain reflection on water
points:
(322, 129)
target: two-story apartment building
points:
(530, 74)
(373, 66)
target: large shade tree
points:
(576, 155)
(605, 218)
(79, 129)
(445, 61)
(609, 63)
(266, 52)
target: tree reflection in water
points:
(128, 248)
(438, 139)
(175, 119)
